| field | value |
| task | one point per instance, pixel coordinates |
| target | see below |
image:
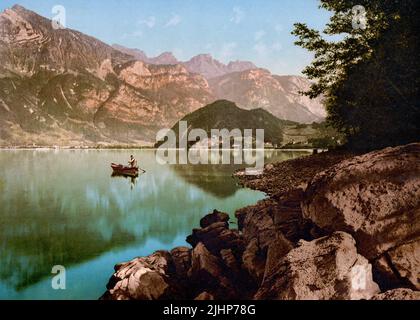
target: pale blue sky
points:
(255, 30)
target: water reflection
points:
(215, 177)
(63, 208)
(131, 178)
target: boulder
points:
(204, 296)
(277, 250)
(400, 267)
(253, 261)
(214, 217)
(204, 265)
(281, 213)
(142, 279)
(322, 269)
(229, 260)
(181, 258)
(207, 273)
(288, 217)
(384, 274)
(255, 222)
(398, 294)
(217, 237)
(374, 197)
(405, 259)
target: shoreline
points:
(293, 244)
(153, 148)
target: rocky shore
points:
(335, 226)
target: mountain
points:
(251, 87)
(136, 53)
(209, 67)
(224, 114)
(203, 64)
(66, 88)
(62, 87)
(164, 58)
(238, 66)
(258, 88)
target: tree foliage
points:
(369, 76)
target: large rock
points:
(288, 217)
(207, 273)
(204, 296)
(142, 279)
(204, 265)
(325, 268)
(281, 213)
(257, 263)
(229, 260)
(216, 237)
(374, 197)
(398, 294)
(214, 217)
(400, 266)
(278, 249)
(256, 222)
(181, 257)
(253, 261)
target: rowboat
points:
(119, 169)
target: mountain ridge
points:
(62, 87)
(203, 64)
(224, 114)
(280, 95)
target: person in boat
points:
(132, 162)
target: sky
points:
(254, 30)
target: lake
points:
(62, 207)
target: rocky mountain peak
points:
(32, 44)
(165, 58)
(204, 64)
(280, 95)
(18, 14)
(136, 53)
(237, 66)
(203, 57)
(70, 84)
(74, 88)
(18, 7)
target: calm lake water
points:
(64, 208)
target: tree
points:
(369, 77)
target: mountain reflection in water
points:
(64, 208)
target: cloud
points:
(173, 21)
(238, 15)
(228, 50)
(259, 35)
(150, 22)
